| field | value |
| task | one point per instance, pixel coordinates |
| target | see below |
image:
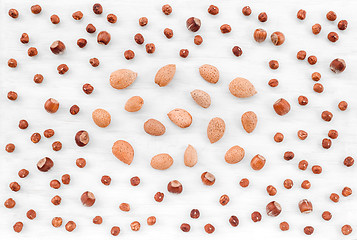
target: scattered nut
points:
(278, 137)
(97, 8)
(18, 227)
(13, 13)
(74, 110)
(209, 228)
(143, 21)
(51, 105)
(81, 162)
(213, 10)
(301, 14)
(244, 182)
(129, 54)
(288, 183)
(342, 105)
(208, 178)
(10, 148)
(12, 95)
(306, 184)
(326, 216)
(77, 15)
(318, 87)
(277, 38)
(195, 213)
(308, 230)
(135, 181)
(82, 138)
(274, 64)
(32, 51)
(81, 42)
(55, 19)
(281, 107)
(224, 200)
(273, 82)
(66, 179)
(262, 17)
(333, 37)
(166, 9)
(159, 197)
(303, 165)
(62, 69)
(24, 38)
(115, 231)
(23, 173)
(151, 220)
(260, 35)
(237, 51)
(193, 24)
(316, 169)
(87, 88)
(326, 143)
(31, 214)
(184, 53)
(185, 227)
(312, 60)
(233, 220)
(273, 209)
(106, 180)
(98, 220)
(112, 18)
(346, 191)
(342, 25)
(168, 33)
(14, 186)
(257, 162)
(70, 226)
(10, 203)
(174, 187)
(198, 40)
(139, 39)
(56, 200)
(338, 65)
(88, 199)
(346, 229)
(326, 116)
(150, 48)
(316, 29)
(56, 146)
(103, 38)
(225, 28)
(125, 207)
(349, 161)
(331, 16)
(256, 217)
(135, 226)
(271, 190)
(48, 133)
(12, 63)
(38, 78)
(334, 197)
(305, 206)
(45, 164)
(57, 47)
(246, 11)
(301, 55)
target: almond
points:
(234, 155)
(249, 121)
(215, 129)
(180, 117)
(154, 127)
(134, 104)
(101, 118)
(162, 161)
(190, 156)
(165, 75)
(242, 88)
(123, 151)
(122, 78)
(201, 98)
(209, 73)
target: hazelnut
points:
(77, 15)
(303, 165)
(213, 10)
(208, 178)
(281, 107)
(193, 24)
(318, 87)
(98, 220)
(103, 38)
(346, 191)
(159, 197)
(316, 29)
(306, 184)
(106, 180)
(24, 38)
(271, 190)
(81, 42)
(74, 110)
(303, 100)
(32, 51)
(274, 64)
(333, 134)
(12, 95)
(57, 47)
(14, 186)
(55, 184)
(198, 40)
(316, 169)
(316, 76)
(23, 124)
(70, 226)
(289, 155)
(115, 231)
(262, 17)
(209, 228)
(273, 82)
(233, 220)
(195, 213)
(166, 9)
(342, 105)
(349, 161)
(301, 14)
(129, 54)
(66, 179)
(13, 13)
(301, 55)
(139, 39)
(284, 226)
(143, 21)
(224, 200)
(51, 105)
(45, 164)
(112, 18)
(302, 135)
(333, 37)
(326, 143)
(18, 227)
(36, 9)
(10, 203)
(326, 216)
(257, 162)
(326, 116)
(150, 48)
(56, 146)
(338, 65)
(278, 137)
(308, 230)
(185, 227)
(10, 148)
(174, 187)
(81, 162)
(277, 38)
(342, 25)
(312, 60)
(82, 138)
(346, 229)
(237, 51)
(244, 182)
(331, 16)
(23, 173)
(38, 78)
(168, 33)
(246, 11)
(88, 199)
(87, 88)
(12, 63)
(90, 28)
(97, 8)
(260, 35)
(56, 222)
(94, 62)
(334, 197)
(56, 200)
(125, 207)
(135, 226)
(184, 53)
(288, 183)
(305, 206)
(135, 181)
(273, 209)
(48, 133)
(31, 214)
(256, 217)
(225, 28)
(151, 220)
(55, 19)
(62, 69)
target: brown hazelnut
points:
(87, 88)
(305, 206)
(334, 197)
(32, 52)
(312, 60)
(318, 87)
(326, 143)
(35, 138)
(31, 214)
(301, 14)
(24, 38)
(303, 100)
(143, 21)
(174, 187)
(106, 180)
(302, 135)
(98, 220)
(185, 227)
(277, 38)
(36, 9)
(97, 8)
(198, 40)
(234, 221)
(81, 42)
(316, 76)
(14, 186)
(74, 110)
(81, 162)
(55, 19)
(70, 226)
(23, 124)
(125, 207)
(260, 35)
(342, 25)
(301, 55)
(262, 17)
(338, 65)
(90, 28)
(112, 18)
(135, 181)
(303, 165)
(150, 48)
(273, 209)
(57, 146)
(289, 155)
(244, 182)
(18, 227)
(56, 200)
(103, 38)
(274, 64)
(257, 162)
(166, 9)
(23, 173)
(273, 82)
(62, 69)
(129, 54)
(316, 29)
(209, 228)
(224, 200)
(12, 63)
(56, 222)
(48, 133)
(333, 37)
(246, 11)
(308, 230)
(281, 107)
(10, 148)
(38, 78)
(284, 226)
(225, 28)
(346, 191)
(326, 116)
(159, 197)
(12, 95)
(66, 179)
(271, 190)
(168, 33)
(306, 184)
(288, 183)
(55, 184)
(278, 137)
(237, 51)
(151, 220)
(342, 105)
(51, 105)
(82, 138)
(346, 229)
(13, 13)
(316, 169)
(184, 53)
(349, 161)
(77, 15)
(256, 217)
(57, 47)
(195, 213)
(331, 16)
(45, 164)
(333, 134)
(213, 10)
(135, 226)
(115, 231)
(139, 39)
(326, 216)
(10, 203)
(88, 199)
(193, 24)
